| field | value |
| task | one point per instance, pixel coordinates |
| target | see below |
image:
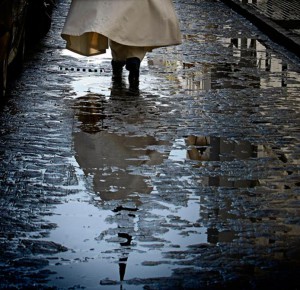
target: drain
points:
(79, 69)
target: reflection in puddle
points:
(166, 208)
(155, 210)
(114, 162)
(246, 67)
(218, 149)
(92, 85)
(207, 148)
(92, 113)
(111, 159)
(146, 230)
(140, 230)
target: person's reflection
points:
(112, 159)
(125, 254)
(90, 113)
(115, 162)
(118, 88)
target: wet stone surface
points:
(192, 182)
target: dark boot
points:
(117, 68)
(133, 66)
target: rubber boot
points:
(133, 66)
(117, 68)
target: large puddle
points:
(157, 202)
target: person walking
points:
(131, 28)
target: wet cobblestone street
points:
(192, 182)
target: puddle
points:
(207, 148)
(249, 64)
(111, 159)
(133, 226)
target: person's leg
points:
(131, 56)
(133, 66)
(118, 59)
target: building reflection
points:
(217, 150)
(249, 64)
(204, 148)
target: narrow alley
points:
(190, 182)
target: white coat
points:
(141, 23)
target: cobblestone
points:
(190, 183)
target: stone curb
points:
(277, 33)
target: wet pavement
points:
(192, 182)
(279, 19)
